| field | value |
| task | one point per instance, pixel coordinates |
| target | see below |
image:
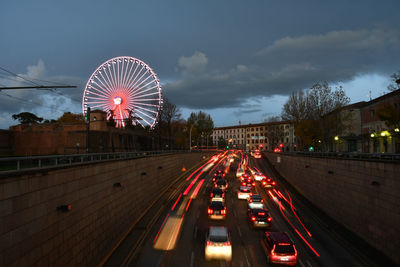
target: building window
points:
(252, 129)
(372, 114)
(248, 135)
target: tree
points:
(202, 126)
(168, 114)
(27, 118)
(69, 117)
(395, 85)
(310, 109)
(222, 143)
(389, 115)
(273, 119)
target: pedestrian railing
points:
(39, 162)
(349, 155)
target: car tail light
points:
(273, 183)
(223, 194)
(269, 180)
(209, 243)
(210, 211)
(269, 219)
(254, 184)
(273, 251)
(211, 195)
(253, 218)
(215, 185)
(261, 213)
(262, 200)
(223, 211)
(263, 183)
(250, 200)
(244, 183)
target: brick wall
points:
(33, 231)
(343, 190)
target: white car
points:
(239, 172)
(244, 192)
(218, 243)
(258, 176)
(255, 202)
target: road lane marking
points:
(308, 263)
(195, 232)
(192, 259)
(240, 232)
(301, 263)
(234, 213)
(247, 258)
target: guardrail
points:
(39, 162)
(348, 155)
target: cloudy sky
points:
(234, 59)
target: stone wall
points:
(34, 231)
(364, 196)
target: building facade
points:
(263, 136)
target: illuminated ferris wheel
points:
(127, 89)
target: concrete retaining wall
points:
(33, 231)
(364, 196)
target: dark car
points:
(259, 217)
(268, 183)
(279, 248)
(221, 183)
(216, 210)
(217, 192)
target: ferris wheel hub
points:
(117, 100)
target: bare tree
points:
(395, 85)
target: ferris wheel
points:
(127, 89)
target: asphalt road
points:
(319, 249)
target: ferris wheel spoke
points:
(137, 89)
(97, 98)
(143, 117)
(115, 76)
(134, 74)
(134, 84)
(127, 74)
(109, 77)
(90, 93)
(149, 110)
(144, 104)
(140, 93)
(145, 95)
(147, 99)
(134, 89)
(107, 82)
(129, 85)
(100, 89)
(119, 72)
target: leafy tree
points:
(311, 109)
(202, 126)
(395, 85)
(389, 115)
(222, 143)
(69, 117)
(27, 118)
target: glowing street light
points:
(372, 135)
(336, 138)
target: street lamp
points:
(190, 138)
(336, 138)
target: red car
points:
(268, 183)
(279, 248)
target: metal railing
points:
(39, 162)
(349, 155)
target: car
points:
(216, 210)
(258, 176)
(222, 184)
(255, 201)
(279, 248)
(218, 243)
(248, 182)
(268, 183)
(244, 192)
(257, 155)
(244, 177)
(239, 172)
(259, 217)
(217, 192)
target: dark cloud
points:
(289, 64)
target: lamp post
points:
(190, 138)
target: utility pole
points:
(87, 129)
